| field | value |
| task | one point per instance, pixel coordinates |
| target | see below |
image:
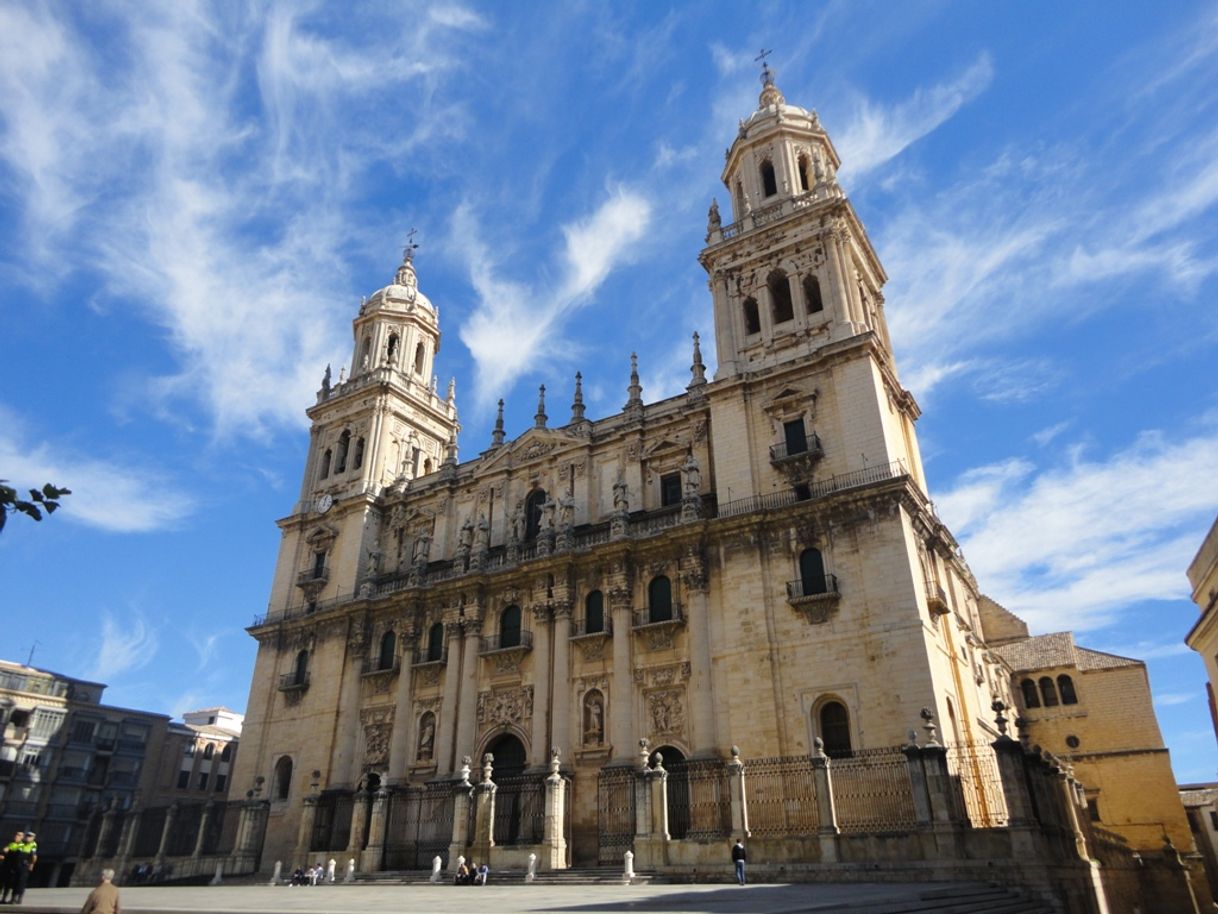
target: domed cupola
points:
(403, 293)
(780, 151)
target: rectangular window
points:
(795, 436)
(1214, 820)
(203, 781)
(183, 780)
(1093, 809)
(82, 731)
(221, 780)
(670, 489)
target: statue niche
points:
(594, 718)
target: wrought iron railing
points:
(421, 656)
(520, 809)
(615, 813)
(313, 576)
(290, 681)
(653, 615)
(781, 796)
(506, 641)
(699, 800)
(872, 791)
(810, 445)
(824, 586)
(817, 489)
(977, 792)
(580, 629)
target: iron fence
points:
(699, 800)
(615, 813)
(781, 795)
(520, 810)
(977, 786)
(872, 791)
(419, 826)
(185, 830)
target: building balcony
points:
(815, 597)
(797, 459)
(513, 641)
(313, 577)
(71, 774)
(579, 629)
(936, 600)
(293, 682)
(422, 656)
(673, 615)
(375, 669)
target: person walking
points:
(739, 856)
(25, 866)
(10, 858)
(104, 898)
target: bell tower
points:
(794, 269)
(382, 425)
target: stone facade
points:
(1203, 638)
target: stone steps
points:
(573, 876)
(965, 899)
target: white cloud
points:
(117, 496)
(1075, 545)
(1167, 699)
(1047, 434)
(876, 133)
(123, 648)
(515, 325)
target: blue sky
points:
(194, 197)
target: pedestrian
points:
(739, 856)
(26, 856)
(104, 898)
(10, 856)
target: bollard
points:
(629, 874)
(278, 872)
(218, 879)
(532, 873)
(350, 877)
(437, 866)
(330, 871)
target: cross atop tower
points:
(411, 247)
(767, 76)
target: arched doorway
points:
(678, 790)
(519, 801)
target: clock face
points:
(324, 502)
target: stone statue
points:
(693, 477)
(547, 515)
(342, 374)
(566, 510)
(483, 540)
(466, 538)
(427, 737)
(713, 222)
(364, 362)
(516, 524)
(594, 718)
(325, 382)
(621, 494)
(374, 563)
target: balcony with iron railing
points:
(579, 628)
(374, 668)
(294, 682)
(936, 599)
(506, 641)
(808, 448)
(313, 577)
(673, 615)
(815, 597)
(422, 656)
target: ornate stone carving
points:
(506, 663)
(666, 675)
(594, 718)
(378, 727)
(505, 706)
(666, 711)
(537, 449)
(659, 638)
(592, 649)
(427, 737)
(357, 634)
(430, 677)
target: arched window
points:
(659, 599)
(325, 463)
(344, 445)
(426, 466)
(435, 642)
(208, 751)
(358, 460)
(812, 296)
(594, 612)
(283, 778)
(509, 627)
(532, 513)
(227, 752)
(419, 354)
(300, 672)
(769, 184)
(391, 350)
(1048, 692)
(389, 644)
(812, 572)
(781, 307)
(835, 729)
(752, 317)
(1065, 685)
(1030, 697)
(805, 170)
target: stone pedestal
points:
(826, 809)
(359, 823)
(554, 840)
(739, 796)
(371, 859)
(308, 818)
(461, 801)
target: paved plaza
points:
(492, 899)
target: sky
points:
(194, 197)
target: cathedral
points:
(754, 566)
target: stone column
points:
(1009, 756)
(308, 819)
(642, 795)
(621, 698)
(342, 755)
(554, 839)
(171, 820)
(446, 725)
(461, 799)
(467, 711)
(701, 687)
(657, 785)
(739, 797)
(126, 840)
(484, 813)
(826, 808)
(374, 854)
(560, 691)
(938, 785)
(541, 685)
(106, 830)
(917, 779)
(359, 822)
(253, 824)
(403, 711)
(209, 809)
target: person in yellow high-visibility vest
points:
(11, 857)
